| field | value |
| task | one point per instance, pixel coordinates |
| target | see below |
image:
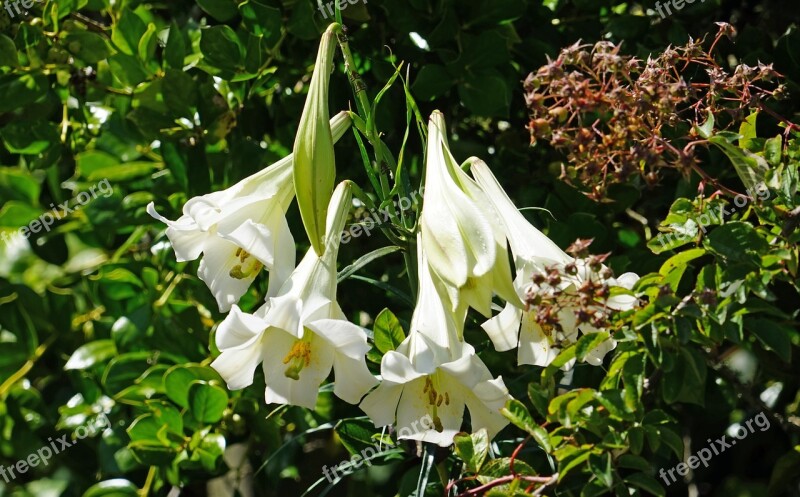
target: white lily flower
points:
(241, 230)
(533, 251)
(433, 373)
(301, 333)
(460, 232)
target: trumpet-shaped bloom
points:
(301, 333)
(314, 164)
(533, 252)
(460, 231)
(433, 373)
(241, 230)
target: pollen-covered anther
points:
(297, 358)
(245, 269)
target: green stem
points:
(359, 194)
(26, 368)
(365, 111)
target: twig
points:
(747, 394)
(545, 481)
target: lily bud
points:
(314, 162)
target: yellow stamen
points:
(245, 269)
(435, 400)
(297, 358)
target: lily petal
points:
(503, 329)
(218, 265)
(535, 346)
(526, 241)
(184, 235)
(485, 403)
(381, 404)
(238, 338)
(303, 391)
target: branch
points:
(545, 481)
(746, 393)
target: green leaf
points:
(8, 52)
(747, 131)
(210, 451)
(178, 379)
(676, 236)
(570, 457)
(124, 369)
(147, 44)
(516, 412)
(707, 127)
(124, 172)
(18, 184)
(432, 82)
(29, 137)
(127, 69)
(540, 398)
(675, 266)
(750, 168)
(175, 52)
(15, 214)
(388, 331)
(646, 483)
(686, 381)
(366, 259)
(773, 151)
(262, 20)
(631, 461)
(486, 95)
(561, 359)
(589, 342)
(180, 93)
(472, 449)
(148, 426)
(784, 472)
(774, 336)
(600, 465)
(356, 434)
(221, 10)
(738, 242)
(87, 46)
(221, 48)
(152, 453)
(90, 354)
(19, 91)
(498, 468)
(672, 440)
(127, 31)
(207, 402)
(118, 487)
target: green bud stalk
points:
(314, 161)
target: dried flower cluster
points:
(619, 118)
(564, 296)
